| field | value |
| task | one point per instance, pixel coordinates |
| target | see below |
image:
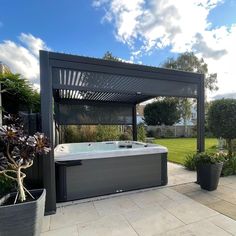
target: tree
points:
(162, 112)
(189, 62)
(108, 56)
(222, 120)
(185, 105)
(18, 94)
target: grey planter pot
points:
(24, 218)
(209, 175)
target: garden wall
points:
(170, 131)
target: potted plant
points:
(21, 212)
(209, 167)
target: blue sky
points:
(138, 31)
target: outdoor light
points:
(138, 93)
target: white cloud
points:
(180, 25)
(23, 57)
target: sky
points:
(138, 31)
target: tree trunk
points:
(21, 190)
(185, 128)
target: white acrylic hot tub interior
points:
(91, 150)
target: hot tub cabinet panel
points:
(95, 177)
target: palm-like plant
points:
(19, 152)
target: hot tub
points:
(92, 169)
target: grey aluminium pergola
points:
(83, 90)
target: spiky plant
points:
(19, 152)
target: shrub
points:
(209, 158)
(190, 161)
(141, 133)
(107, 133)
(229, 167)
(229, 163)
(84, 133)
(222, 120)
(125, 136)
(87, 133)
(163, 112)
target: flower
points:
(8, 133)
(39, 142)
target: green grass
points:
(179, 147)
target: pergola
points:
(82, 90)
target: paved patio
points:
(222, 200)
(172, 210)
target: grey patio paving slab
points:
(148, 198)
(202, 228)
(73, 214)
(115, 205)
(67, 231)
(202, 197)
(222, 200)
(225, 208)
(152, 220)
(183, 209)
(114, 225)
(177, 174)
(188, 211)
(225, 223)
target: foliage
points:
(107, 133)
(19, 152)
(184, 106)
(189, 62)
(83, 133)
(141, 133)
(209, 158)
(163, 112)
(99, 133)
(222, 120)
(190, 161)
(229, 163)
(18, 94)
(229, 167)
(125, 136)
(108, 56)
(91, 133)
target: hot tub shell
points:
(80, 178)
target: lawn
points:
(179, 147)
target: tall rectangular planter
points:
(24, 218)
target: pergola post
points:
(134, 123)
(201, 116)
(48, 171)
